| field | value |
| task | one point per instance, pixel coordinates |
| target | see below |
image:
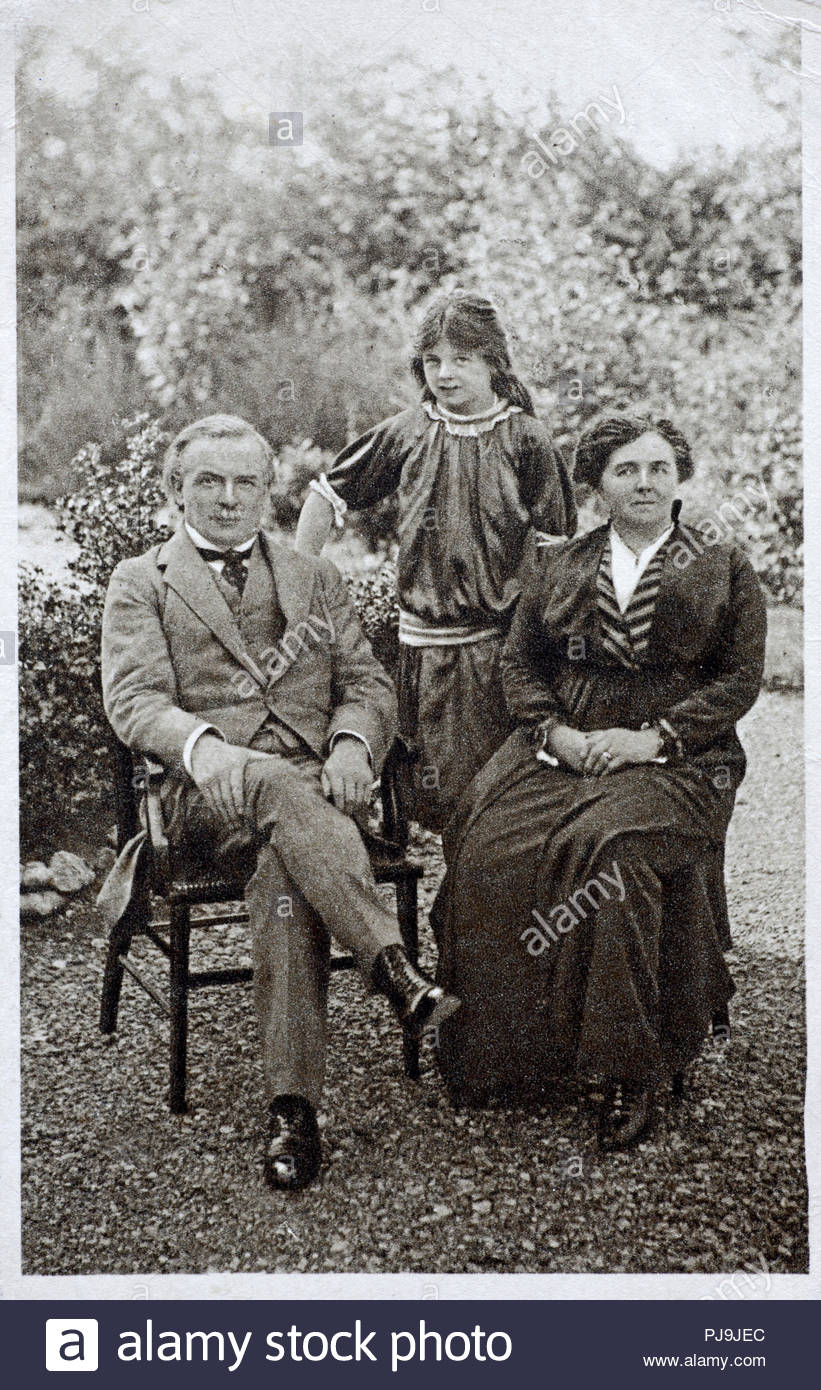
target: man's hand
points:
(217, 769)
(347, 776)
(611, 749)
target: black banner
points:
(262, 1343)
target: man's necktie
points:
(233, 565)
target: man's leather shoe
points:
(626, 1115)
(419, 1005)
(293, 1153)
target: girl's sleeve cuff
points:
(671, 744)
(323, 487)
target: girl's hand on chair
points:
(608, 750)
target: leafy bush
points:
(115, 510)
(62, 725)
(775, 540)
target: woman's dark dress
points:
(581, 919)
(471, 498)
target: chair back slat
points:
(395, 825)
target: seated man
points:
(241, 666)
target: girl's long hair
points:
(470, 323)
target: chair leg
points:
(179, 934)
(407, 911)
(119, 944)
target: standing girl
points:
(478, 479)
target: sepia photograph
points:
(410, 623)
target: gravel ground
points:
(112, 1183)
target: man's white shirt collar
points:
(627, 567)
(202, 544)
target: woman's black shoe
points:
(419, 1005)
(626, 1115)
(293, 1153)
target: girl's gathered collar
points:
(471, 424)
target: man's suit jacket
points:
(173, 655)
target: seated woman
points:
(582, 917)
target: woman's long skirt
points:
(579, 923)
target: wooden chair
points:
(160, 909)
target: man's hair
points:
(612, 431)
(211, 427)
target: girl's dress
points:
(473, 493)
(582, 918)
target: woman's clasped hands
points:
(603, 750)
